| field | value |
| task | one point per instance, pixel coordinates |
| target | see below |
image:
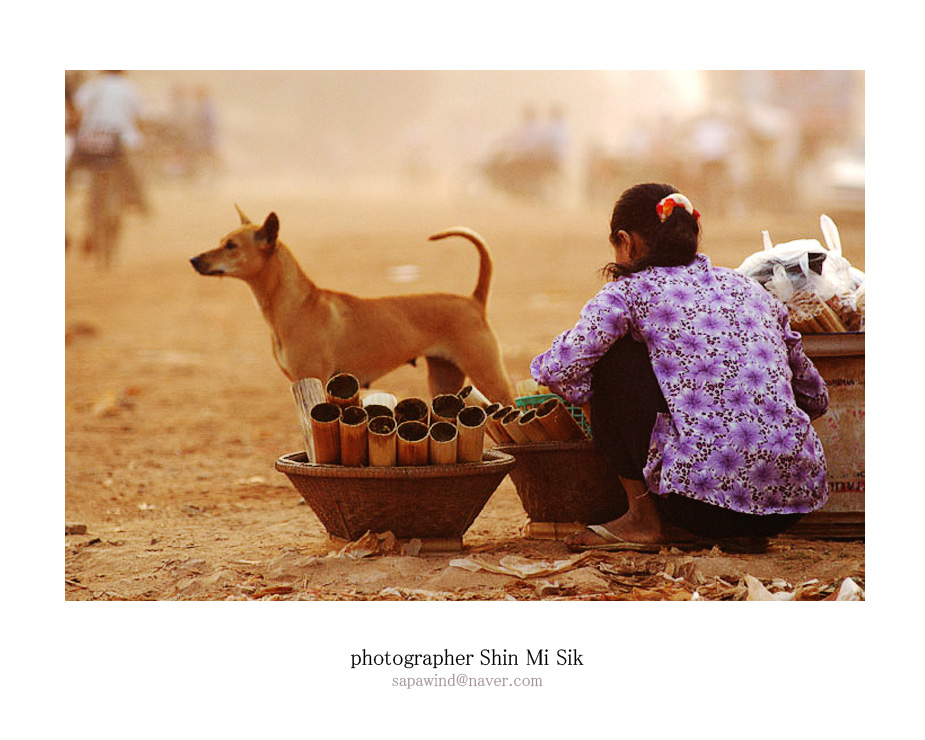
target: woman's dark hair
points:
(669, 243)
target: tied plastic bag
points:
(804, 263)
(817, 284)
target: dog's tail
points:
(485, 262)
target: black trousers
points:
(626, 401)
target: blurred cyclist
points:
(110, 108)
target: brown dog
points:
(317, 333)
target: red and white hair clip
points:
(667, 204)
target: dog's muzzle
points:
(202, 267)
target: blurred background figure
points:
(556, 138)
(204, 134)
(771, 142)
(712, 142)
(109, 108)
(181, 139)
(177, 133)
(649, 150)
(72, 81)
(561, 179)
(527, 140)
(531, 162)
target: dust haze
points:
(779, 136)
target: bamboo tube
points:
(829, 320)
(501, 412)
(510, 425)
(382, 438)
(380, 398)
(307, 393)
(531, 427)
(471, 396)
(815, 327)
(550, 530)
(470, 425)
(411, 443)
(559, 424)
(804, 327)
(354, 439)
(442, 443)
(375, 409)
(446, 408)
(412, 409)
(343, 389)
(498, 433)
(807, 326)
(325, 422)
(493, 435)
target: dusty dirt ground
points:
(175, 410)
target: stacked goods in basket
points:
(382, 431)
(338, 428)
(822, 291)
(537, 416)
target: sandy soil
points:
(175, 410)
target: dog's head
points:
(243, 252)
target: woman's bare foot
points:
(642, 523)
(627, 528)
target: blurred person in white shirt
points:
(110, 109)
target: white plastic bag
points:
(779, 283)
(804, 263)
(836, 269)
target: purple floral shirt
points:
(740, 391)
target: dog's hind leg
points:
(492, 383)
(443, 376)
(481, 357)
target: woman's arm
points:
(567, 365)
(809, 388)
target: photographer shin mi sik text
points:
(485, 657)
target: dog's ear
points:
(244, 219)
(269, 231)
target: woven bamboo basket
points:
(565, 482)
(428, 502)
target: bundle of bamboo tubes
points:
(549, 421)
(380, 430)
(809, 314)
